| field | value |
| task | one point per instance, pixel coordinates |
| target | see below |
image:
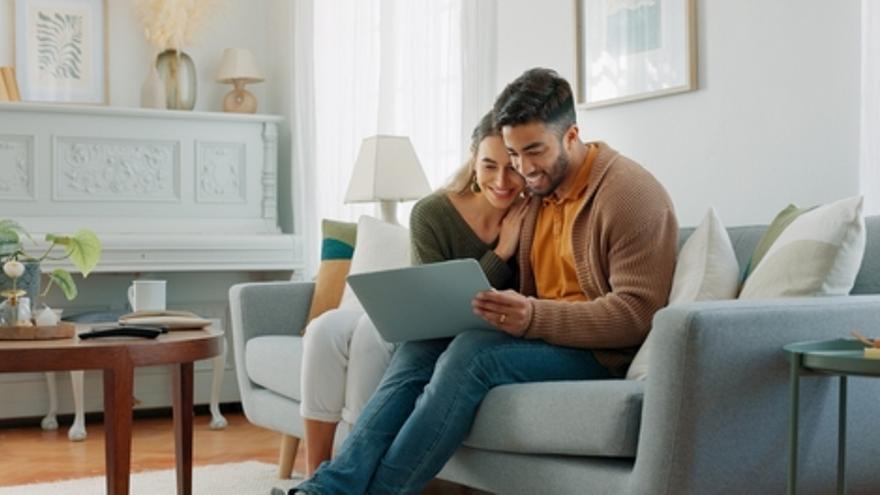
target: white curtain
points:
(419, 68)
(869, 152)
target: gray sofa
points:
(712, 416)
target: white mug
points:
(147, 295)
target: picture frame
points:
(61, 50)
(629, 50)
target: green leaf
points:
(11, 228)
(83, 248)
(65, 282)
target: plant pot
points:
(29, 281)
(178, 73)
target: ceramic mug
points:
(147, 295)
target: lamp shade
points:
(238, 63)
(387, 168)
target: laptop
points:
(422, 302)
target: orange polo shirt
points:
(552, 257)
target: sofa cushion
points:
(380, 246)
(815, 252)
(587, 418)
(272, 362)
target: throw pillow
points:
(706, 270)
(380, 246)
(818, 253)
(337, 247)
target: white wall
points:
(236, 23)
(775, 118)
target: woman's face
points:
(500, 182)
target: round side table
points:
(842, 358)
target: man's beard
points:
(556, 175)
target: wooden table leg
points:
(183, 425)
(118, 385)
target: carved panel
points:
(17, 168)
(116, 170)
(220, 173)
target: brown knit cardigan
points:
(624, 241)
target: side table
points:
(118, 358)
(842, 358)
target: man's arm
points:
(640, 274)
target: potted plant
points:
(21, 270)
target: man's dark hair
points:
(537, 95)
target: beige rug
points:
(240, 478)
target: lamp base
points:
(388, 211)
(240, 100)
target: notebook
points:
(422, 302)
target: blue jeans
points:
(426, 403)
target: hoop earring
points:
(475, 188)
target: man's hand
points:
(508, 311)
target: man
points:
(596, 258)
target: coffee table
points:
(117, 358)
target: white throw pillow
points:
(818, 254)
(379, 246)
(706, 270)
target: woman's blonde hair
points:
(463, 178)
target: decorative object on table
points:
(9, 85)
(630, 50)
(169, 25)
(153, 89)
(61, 50)
(872, 346)
(82, 248)
(238, 67)
(387, 170)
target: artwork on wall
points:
(61, 50)
(634, 49)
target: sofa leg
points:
(289, 446)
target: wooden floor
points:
(30, 455)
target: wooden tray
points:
(62, 330)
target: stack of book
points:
(8, 85)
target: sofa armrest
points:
(264, 308)
(716, 400)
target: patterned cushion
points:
(815, 252)
(337, 248)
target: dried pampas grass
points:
(174, 23)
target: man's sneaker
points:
(278, 491)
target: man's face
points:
(538, 154)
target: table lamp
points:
(387, 170)
(238, 68)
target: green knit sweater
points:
(440, 233)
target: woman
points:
(478, 215)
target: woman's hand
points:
(511, 225)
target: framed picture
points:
(634, 49)
(61, 50)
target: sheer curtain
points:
(419, 68)
(869, 152)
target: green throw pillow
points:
(777, 226)
(337, 247)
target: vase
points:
(178, 73)
(153, 90)
(29, 281)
